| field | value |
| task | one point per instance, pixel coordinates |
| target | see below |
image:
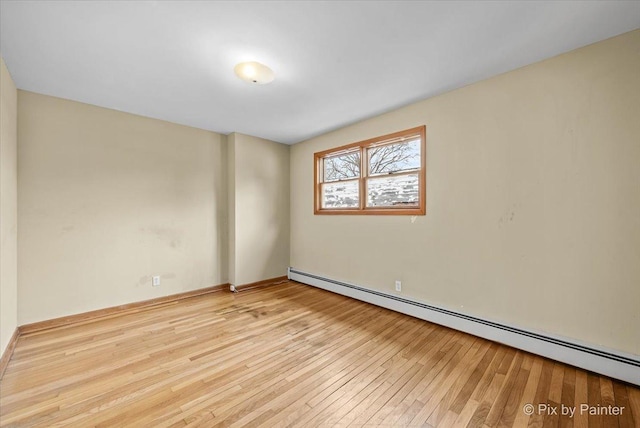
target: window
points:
(384, 175)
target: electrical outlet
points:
(398, 285)
(156, 281)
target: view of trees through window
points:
(342, 167)
(392, 158)
(384, 159)
(388, 171)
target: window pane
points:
(342, 167)
(341, 194)
(393, 191)
(394, 157)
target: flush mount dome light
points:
(254, 72)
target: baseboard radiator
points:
(615, 364)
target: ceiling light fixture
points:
(254, 72)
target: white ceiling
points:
(335, 62)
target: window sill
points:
(373, 211)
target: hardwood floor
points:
(290, 355)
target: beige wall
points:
(259, 206)
(533, 201)
(8, 208)
(109, 199)
(231, 205)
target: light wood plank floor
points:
(289, 355)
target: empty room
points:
(319, 213)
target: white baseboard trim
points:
(612, 363)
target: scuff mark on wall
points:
(67, 229)
(168, 235)
(508, 216)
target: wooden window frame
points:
(396, 137)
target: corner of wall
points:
(258, 209)
(231, 207)
(8, 208)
